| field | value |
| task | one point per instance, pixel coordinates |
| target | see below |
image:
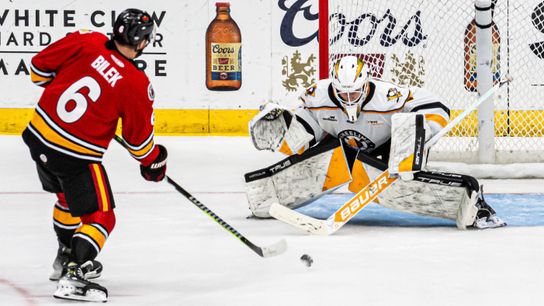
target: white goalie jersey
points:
(321, 113)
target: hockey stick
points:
(366, 195)
(267, 251)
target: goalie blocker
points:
(300, 179)
(408, 136)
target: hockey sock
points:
(63, 222)
(91, 236)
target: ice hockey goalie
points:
(347, 130)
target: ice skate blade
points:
(70, 293)
(494, 222)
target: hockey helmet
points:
(350, 78)
(133, 26)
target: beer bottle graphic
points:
(471, 76)
(223, 51)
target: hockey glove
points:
(276, 124)
(268, 127)
(407, 145)
(156, 171)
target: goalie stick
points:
(366, 195)
(266, 251)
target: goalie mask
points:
(350, 83)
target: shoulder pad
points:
(387, 97)
(317, 94)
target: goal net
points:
(432, 44)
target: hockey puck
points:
(307, 260)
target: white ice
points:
(165, 251)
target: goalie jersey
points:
(321, 114)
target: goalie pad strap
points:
(371, 160)
(448, 179)
(417, 164)
(290, 161)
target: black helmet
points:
(132, 27)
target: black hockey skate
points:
(74, 286)
(486, 216)
(91, 269)
(60, 262)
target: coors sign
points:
(223, 51)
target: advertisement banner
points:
(175, 62)
(276, 56)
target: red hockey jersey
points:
(89, 85)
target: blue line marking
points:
(516, 209)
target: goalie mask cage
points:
(433, 44)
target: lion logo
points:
(409, 72)
(300, 73)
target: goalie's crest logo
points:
(393, 93)
(356, 140)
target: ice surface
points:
(165, 251)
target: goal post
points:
(484, 71)
(457, 49)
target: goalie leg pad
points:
(297, 180)
(424, 198)
(433, 194)
(467, 211)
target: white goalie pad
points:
(407, 144)
(297, 180)
(424, 198)
(428, 199)
(269, 130)
(466, 215)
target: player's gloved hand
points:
(156, 171)
(269, 126)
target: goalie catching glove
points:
(276, 126)
(156, 171)
(409, 132)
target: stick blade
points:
(275, 249)
(298, 220)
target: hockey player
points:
(90, 82)
(379, 126)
